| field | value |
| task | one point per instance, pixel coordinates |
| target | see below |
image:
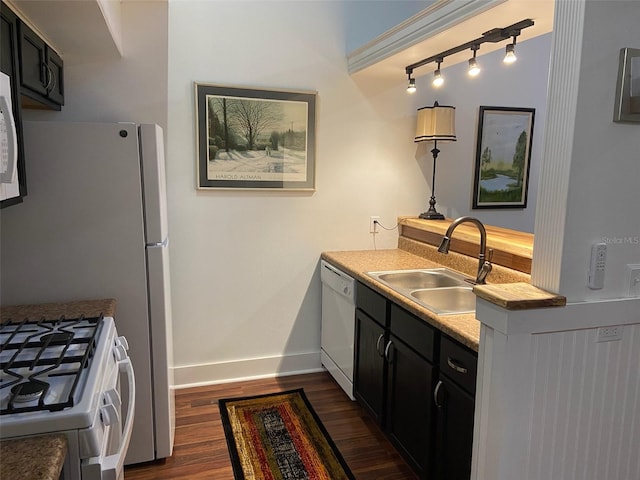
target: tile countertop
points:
(35, 458)
(464, 328)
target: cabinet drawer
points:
(413, 331)
(371, 302)
(459, 363)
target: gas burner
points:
(28, 391)
(57, 337)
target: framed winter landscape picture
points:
(503, 154)
(255, 139)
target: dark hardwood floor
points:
(200, 450)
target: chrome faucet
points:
(484, 266)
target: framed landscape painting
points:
(255, 139)
(503, 154)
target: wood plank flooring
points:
(200, 449)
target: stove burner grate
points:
(34, 351)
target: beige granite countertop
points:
(88, 308)
(464, 328)
(33, 458)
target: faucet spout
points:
(484, 265)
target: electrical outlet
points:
(373, 226)
(633, 275)
(610, 334)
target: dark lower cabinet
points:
(454, 431)
(418, 384)
(409, 417)
(454, 398)
(369, 364)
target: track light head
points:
(474, 68)
(437, 76)
(411, 88)
(510, 52)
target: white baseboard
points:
(246, 369)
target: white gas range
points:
(63, 375)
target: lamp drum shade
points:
(436, 123)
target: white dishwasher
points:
(338, 325)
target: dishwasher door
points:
(338, 325)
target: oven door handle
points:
(113, 465)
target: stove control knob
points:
(119, 353)
(122, 341)
(120, 349)
(109, 415)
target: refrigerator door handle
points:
(164, 243)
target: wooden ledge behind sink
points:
(511, 248)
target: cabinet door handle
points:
(48, 74)
(456, 366)
(386, 351)
(435, 393)
(378, 345)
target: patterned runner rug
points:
(278, 436)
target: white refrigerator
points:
(95, 226)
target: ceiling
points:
(385, 57)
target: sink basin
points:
(443, 301)
(440, 290)
(419, 279)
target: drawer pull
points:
(456, 366)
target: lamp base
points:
(428, 215)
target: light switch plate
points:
(633, 277)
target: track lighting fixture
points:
(510, 52)
(494, 35)
(411, 88)
(437, 76)
(474, 68)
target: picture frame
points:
(627, 102)
(254, 139)
(503, 157)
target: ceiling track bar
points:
(494, 35)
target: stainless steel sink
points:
(444, 301)
(420, 278)
(440, 290)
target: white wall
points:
(244, 264)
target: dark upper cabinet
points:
(9, 62)
(41, 69)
